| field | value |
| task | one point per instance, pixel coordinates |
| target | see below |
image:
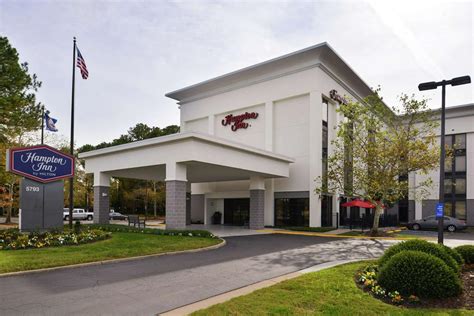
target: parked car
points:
(78, 214)
(450, 223)
(117, 215)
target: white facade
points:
(287, 93)
(273, 152)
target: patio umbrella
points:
(358, 203)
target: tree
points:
(19, 113)
(128, 195)
(377, 147)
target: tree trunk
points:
(8, 218)
(375, 226)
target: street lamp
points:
(431, 86)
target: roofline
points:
(179, 137)
(456, 107)
(175, 94)
(170, 94)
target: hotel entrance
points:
(236, 212)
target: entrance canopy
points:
(180, 160)
(206, 159)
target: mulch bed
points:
(465, 300)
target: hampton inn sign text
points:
(238, 121)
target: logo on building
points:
(238, 121)
(40, 163)
(336, 97)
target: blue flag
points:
(50, 122)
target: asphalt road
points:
(154, 285)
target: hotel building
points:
(252, 143)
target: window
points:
(455, 177)
(460, 186)
(460, 141)
(460, 163)
(461, 210)
(292, 212)
(448, 186)
(325, 142)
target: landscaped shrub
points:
(421, 274)
(467, 252)
(454, 254)
(154, 231)
(12, 239)
(423, 246)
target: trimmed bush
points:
(455, 255)
(421, 274)
(423, 246)
(467, 252)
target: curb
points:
(292, 232)
(108, 261)
(226, 296)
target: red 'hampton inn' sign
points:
(238, 121)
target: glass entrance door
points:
(236, 212)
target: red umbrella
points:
(359, 203)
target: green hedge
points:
(423, 246)
(467, 252)
(421, 274)
(454, 254)
(153, 231)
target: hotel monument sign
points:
(41, 189)
(237, 122)
(41, 163)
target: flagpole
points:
(71, 180)
(42, 124)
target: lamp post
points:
(431, 86)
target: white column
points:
(269, 203)
(315, 156)
(269, 125)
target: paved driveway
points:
(154, 285)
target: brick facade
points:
(257, 209)
(101, 205)
(175, 204)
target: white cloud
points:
(138, 51)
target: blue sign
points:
(439, 210)
(41, 163)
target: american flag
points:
(81, 64)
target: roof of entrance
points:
(206, 157)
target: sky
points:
(136, 51)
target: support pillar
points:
(101, 198)
(188, 203)
(257, 203)
(176, 184)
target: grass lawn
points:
(120, 245)
(327, 292)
